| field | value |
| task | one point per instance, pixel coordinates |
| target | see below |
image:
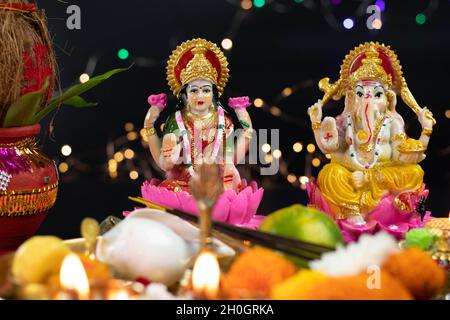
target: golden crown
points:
(197, 59)
(199, 67)
(371, 69)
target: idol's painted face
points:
(370, 94)
(369, 104)
(199, 96)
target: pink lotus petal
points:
(396, 230)
(238, 209)
(357, 230)
(254, 201)
(239, 102)
(187, 202)
(221, 211)
(232, 207)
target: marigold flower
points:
(417, 271)
(255, 272)
(358, 287)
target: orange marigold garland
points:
(255, 272)
(417, 271)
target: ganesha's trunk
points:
(366, 116)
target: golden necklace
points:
(197, 117)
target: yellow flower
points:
(297, 286)
(356, 288)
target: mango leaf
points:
(22, 112)
(79, 102)
(75, 91)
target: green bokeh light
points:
(259, 3)
(420, 18)
(123, 54)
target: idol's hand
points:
(315, 112)
(170, 151)
(244, 118)
(358, 179)
(426, 118)
(157, 104)
(329, 134)
(240, 105)
(151, 117)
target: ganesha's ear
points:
(392, 100)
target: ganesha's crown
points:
(371, 69)
(199, 67)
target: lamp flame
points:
(206, 276)
(72, 276)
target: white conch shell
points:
(153, 244)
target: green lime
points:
(305, 224)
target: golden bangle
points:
(316, 125)
(150, 131)
(399, 137)
(427, 132)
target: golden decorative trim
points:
(366, 147)
(371, 69)
(438, 226)
(316, 125)
(199, 67)
(427, 132)
(29, 202)
(411, 146)
(402, 206)
(27, 149)
(399, 137)
(197, 117)
(176, 55)
(150, 131)
(362, 135)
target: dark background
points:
(283, 44)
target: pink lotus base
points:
(237, 208)
(386, 216)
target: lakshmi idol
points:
(200, 131)
(374, 180)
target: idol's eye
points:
(378, 94)
(195, 90)
(206, 90)
(359, 93)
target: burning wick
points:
(206, 276)
(73, 277)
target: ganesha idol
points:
(199, 132)
(374, 181)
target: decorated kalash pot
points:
(28, 179)
(374, 180)
(200, 131)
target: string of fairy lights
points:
(128, 156)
